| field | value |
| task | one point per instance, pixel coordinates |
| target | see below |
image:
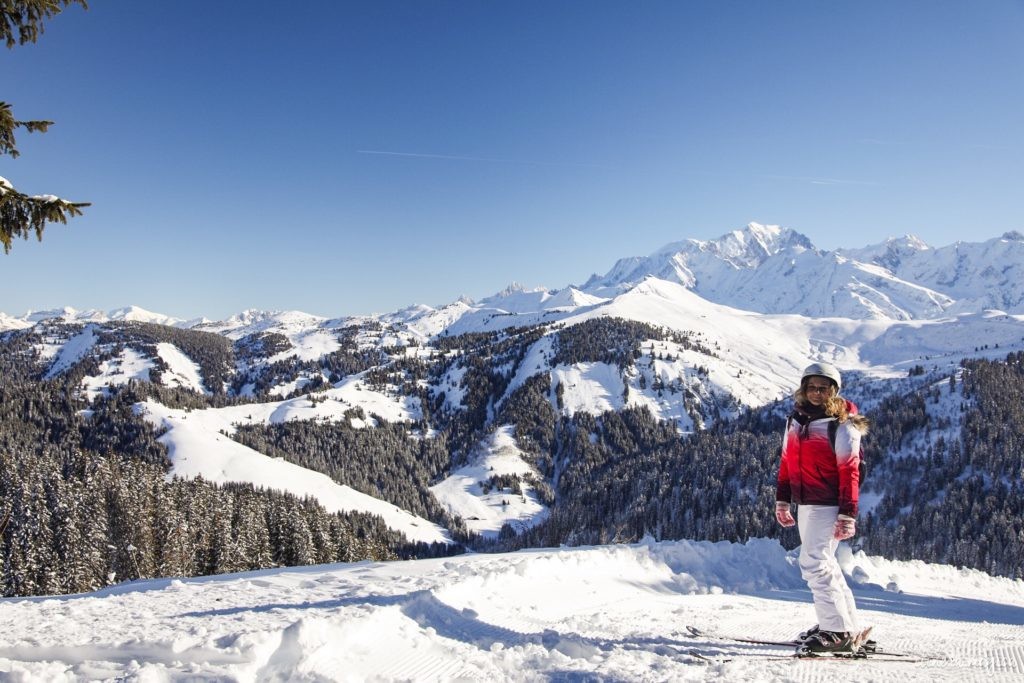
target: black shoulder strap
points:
(833, 427)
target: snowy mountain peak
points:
(65, 313)
(137, 314)
(515, 288)
(889, 254)
(754, 244)
(916, 242)
(256, 317)
(8, 322)
(253, 321)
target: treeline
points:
(615, 341)
(384, 461)
(486, 362)
(229, 370)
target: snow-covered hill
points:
(612, 613)
(199, 445)
(486, 511)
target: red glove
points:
(845, 528)
(783, 515)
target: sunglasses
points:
(817, 388)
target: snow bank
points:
(616, 613)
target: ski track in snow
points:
(611, 613)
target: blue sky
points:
(355, 157)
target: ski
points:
(860, 654)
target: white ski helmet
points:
(823, 370)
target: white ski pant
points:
(833, 600)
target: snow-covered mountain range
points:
(760, 268)
(92, 315)
(770, 269)
(739, 317)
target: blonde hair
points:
(835, 406)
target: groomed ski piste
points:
(608, 613)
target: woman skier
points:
(819, 471)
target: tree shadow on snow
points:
(874, 597)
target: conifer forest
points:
(88, 497)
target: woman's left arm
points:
(848, 461)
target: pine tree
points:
(250, 527)
(21, 21)
(298, 539)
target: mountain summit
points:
(684, 262)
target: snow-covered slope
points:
(73, 350)
(614, 613)
(517, 299)
(426, 322)
(486, 509)
(198, 445)
(8, 322)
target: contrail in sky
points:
(820, 181)
(455, 157)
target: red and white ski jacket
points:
(812, 473)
